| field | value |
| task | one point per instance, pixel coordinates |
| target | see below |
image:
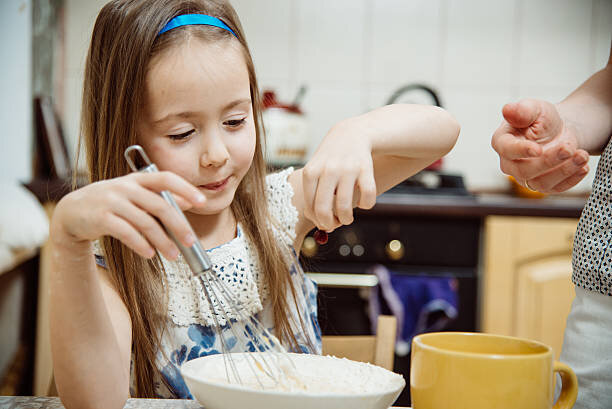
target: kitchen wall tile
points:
(268, 29)
(404, 46)
(549, 93)
(325, 105)
(479, 114)
(330, 40)
(555, 42)
(602, 33)
(80, 17)
(479, 43)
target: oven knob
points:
(394, 250)
(309, 247)
(358, 250)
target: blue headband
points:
(191, 19)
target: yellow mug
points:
(466, 370)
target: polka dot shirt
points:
(592, 257)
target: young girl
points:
(177, 77)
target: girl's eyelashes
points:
(234, 123)
(181, 135)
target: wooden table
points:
(39, 402)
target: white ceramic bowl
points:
(333, 384)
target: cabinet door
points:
(544, 297)
(511, 243)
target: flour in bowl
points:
(312, 374)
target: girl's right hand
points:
(126, 208)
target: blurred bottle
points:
(287, 131)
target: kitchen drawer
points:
(539, 236)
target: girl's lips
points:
(217, 185)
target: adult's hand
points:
(538, 148)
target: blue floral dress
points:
(191, 333)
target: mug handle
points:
(569, 386)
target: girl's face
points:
(198, 119)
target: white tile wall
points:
(330, 41)
(479, 45)
(80, 18)
(15, 97)
(404, 46)
(352, 54)
(275, 39)
(555, 42)
(601, 32)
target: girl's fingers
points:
(171, 219)
(344, 200)
(182, 203)
(149, 228)
(160, 181)
(310, 181)
(324, 202)
(123, 231)
(367, 189)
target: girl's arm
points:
(90, 325)
(91, 332)
(364, 156)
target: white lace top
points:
(191, 325)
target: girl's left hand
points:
(338, 177)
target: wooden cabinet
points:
(526, 287)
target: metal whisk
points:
(266, 358)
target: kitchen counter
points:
(480, 205)
(39, 402)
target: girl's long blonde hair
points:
(123, 42)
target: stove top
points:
(429, 182)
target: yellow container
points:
(462, 370)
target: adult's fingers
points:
(571, 181)
(534, 119)
(512, 147)
(551, 158)
(576, 167)
(521, 114)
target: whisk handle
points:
(195, 256)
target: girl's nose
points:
(215, 152)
